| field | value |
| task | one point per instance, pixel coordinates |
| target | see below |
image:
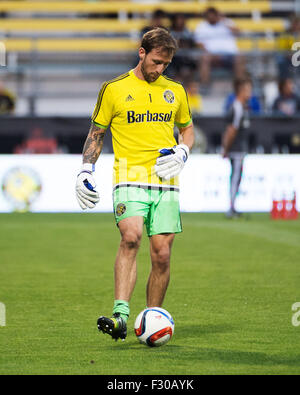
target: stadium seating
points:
(54, 37)
(110, 44)
(110, 25)
(55, 7)
(72, 26)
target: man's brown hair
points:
(159, 38)
(240, 82)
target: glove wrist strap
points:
(185, 148)
(89, 167)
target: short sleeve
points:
(183, 116)
(103, 112)
(237, 114)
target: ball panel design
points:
(141, 328)
(161, 337)
(154, 327)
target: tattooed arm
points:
(86, 192)
(93, 144)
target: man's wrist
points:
(88, 167)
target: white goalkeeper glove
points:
(86, 193)
(171, 161)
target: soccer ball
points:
(154, 327)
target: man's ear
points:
(142, 53)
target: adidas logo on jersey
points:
(129, 98)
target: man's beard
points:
(149, 77)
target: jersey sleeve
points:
(103, 112)
(183, 116)
(237, 115)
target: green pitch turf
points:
(232, 288)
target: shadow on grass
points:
(210, 355)
(194, 331)
(213, 355)
(137, 347)
(190, 332)
(240, 357)
(195, 353)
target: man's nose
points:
(160, 68)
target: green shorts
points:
(158, 206)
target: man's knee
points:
(131, 241)
(161, 259)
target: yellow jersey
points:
(141, 116)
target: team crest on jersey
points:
(121, 208)
(169, 96)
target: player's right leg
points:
(160, 251)
(162, 224)
(131, 230)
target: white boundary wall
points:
(204, 182)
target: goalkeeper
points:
(141, 108)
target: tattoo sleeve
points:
(93, 144)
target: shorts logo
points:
(121, 208)
(169, 97)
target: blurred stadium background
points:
(56, 55)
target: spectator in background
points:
(235, 143)
(194, 97)
(7, 101)
(253, 104)
(192, 88)
(288, 103)
(182, 64)
(38, 143)
(157, 20)
(216, 37)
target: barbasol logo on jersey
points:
(133, 117)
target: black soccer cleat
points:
(115, 326)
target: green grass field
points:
(232, 287)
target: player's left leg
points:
(235, 181)
(162, 223)
(160, 251)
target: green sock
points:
(122, 307)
